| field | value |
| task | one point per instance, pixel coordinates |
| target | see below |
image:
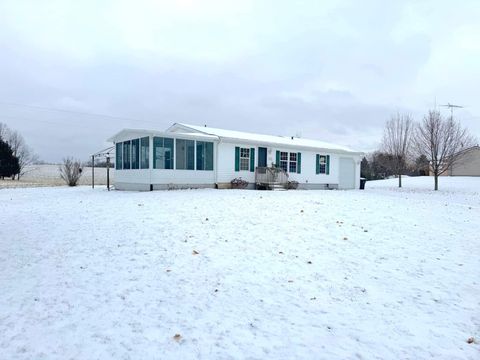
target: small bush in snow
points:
(292, 185)
(71, 171)
(239, 183)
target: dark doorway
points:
(262, 157)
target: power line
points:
(75, 112)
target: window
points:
(185, 154)
(162, 153)
(293, 163)
(244, 159)
(135, 153)
(118, 156)
(204, 155)
(323, 164)
(284, 160)
(126, 154)
(144, 152)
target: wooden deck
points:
(270, 178)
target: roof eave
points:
(290, 146)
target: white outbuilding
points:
(189, 156)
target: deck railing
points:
(270, 176)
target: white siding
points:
(346, 172)
(226, 163)
(308, 176)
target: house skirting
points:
(150, 187)
(251, 186)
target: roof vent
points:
(205, 125)
(292, 137)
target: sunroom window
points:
(118, 155)
(144, 152)
(135, 153)
(162, 153)
(185, 154)
(126, 154)
(204, 155)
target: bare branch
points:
(70, 171)
(441, 140)
(397, 138)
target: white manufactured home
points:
(188, 156)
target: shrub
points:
(292, 185)
(239, 183)
(71, 171)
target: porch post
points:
(93, 171)
(108, 173)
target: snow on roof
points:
(129, 133)
(271, 139)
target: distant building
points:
(187, 156)
(468, 164)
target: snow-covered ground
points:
(375, 274)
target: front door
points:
(262, 157)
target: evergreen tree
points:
(9, 164)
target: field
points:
(49, 175)
(384, 273)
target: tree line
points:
(15, 154)
(431, 146)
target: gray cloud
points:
(333, 72)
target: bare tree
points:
(21, 150)
(70, 171)
(441, 140)
(397, 138)
(3, 131)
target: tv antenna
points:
(451, 107)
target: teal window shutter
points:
(299, 163)
(277, 159)
(237, 158)
(328, 165)
(252, 159)
(318, 165)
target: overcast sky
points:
(330, 70)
